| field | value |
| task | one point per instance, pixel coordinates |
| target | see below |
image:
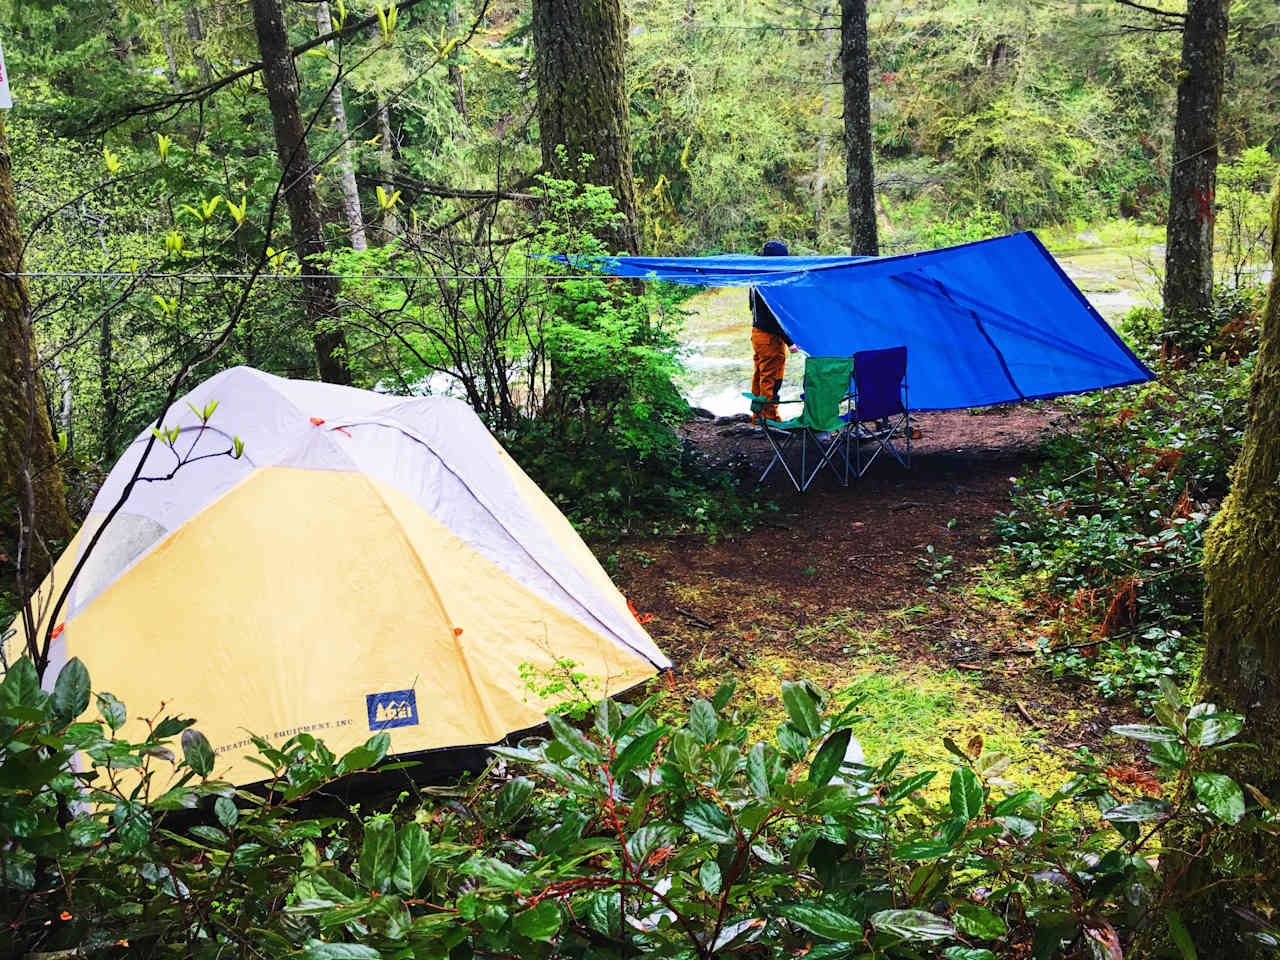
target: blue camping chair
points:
(879, 408)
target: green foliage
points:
(1110, 527)
(1243, 226)
(675, 838)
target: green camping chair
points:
(826, 388)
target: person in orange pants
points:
(769, 346)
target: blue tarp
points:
(986, 322)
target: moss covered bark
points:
(1241, 670)
(31, 493)
(582, 100)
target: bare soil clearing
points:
(836, 579)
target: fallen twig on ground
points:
(695, 618)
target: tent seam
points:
(604, 625)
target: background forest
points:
(987, 117)
(370, 194)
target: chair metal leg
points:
(779, 456)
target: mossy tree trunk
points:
(579, 64)
(319, 286)
(855, 61)
(1241, 670)
(1188, 261)
(33, 506)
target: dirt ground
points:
(842, 574)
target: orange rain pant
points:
(770, 353)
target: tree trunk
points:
(855, 60)
(1241, 667)
(820, 165)
(107, 389)
(350, 192)
(167, 38)
(387, 164)
(195, 33)
(583, 105)
(1188, 258)
(455, 72)
(33, 506)
(319, 286)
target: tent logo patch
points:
(396, 708)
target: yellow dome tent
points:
(368, 563)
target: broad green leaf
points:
(540, 923)
(1146, 731)
(724, 762)
(573, 739)
(709, 822)
(821, 920)
(636, 716)
(922, 850)
(723, 694)
(21, 686)
(369, 754)
(210, 835)
(170, 727)
(197, 751)
(517, 754)
(1221, 795)
(134, 830)
(604, 913)
(910, 785)
(757, 772)
(608, 717)
(709, 877)
(1215, 728)
(1168, 755)
(71, 690)
(512, 799)
(413, 857)
(975, 920)
(993, 764)
(1167, 715)
(493, 872)
(224, 808)
(1169, 690)
(316, 950)
(801, 708)
(913, 924)
(793, 743)
(1139, 811)
(1178, 933)
(966, 794)
(639, 751)
(968, 953)
(648, 838)
(378, 854)
(826, 762)
(86, 831)
(112, 710)
(703, 722)
(1012, 803)
(686, 750)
